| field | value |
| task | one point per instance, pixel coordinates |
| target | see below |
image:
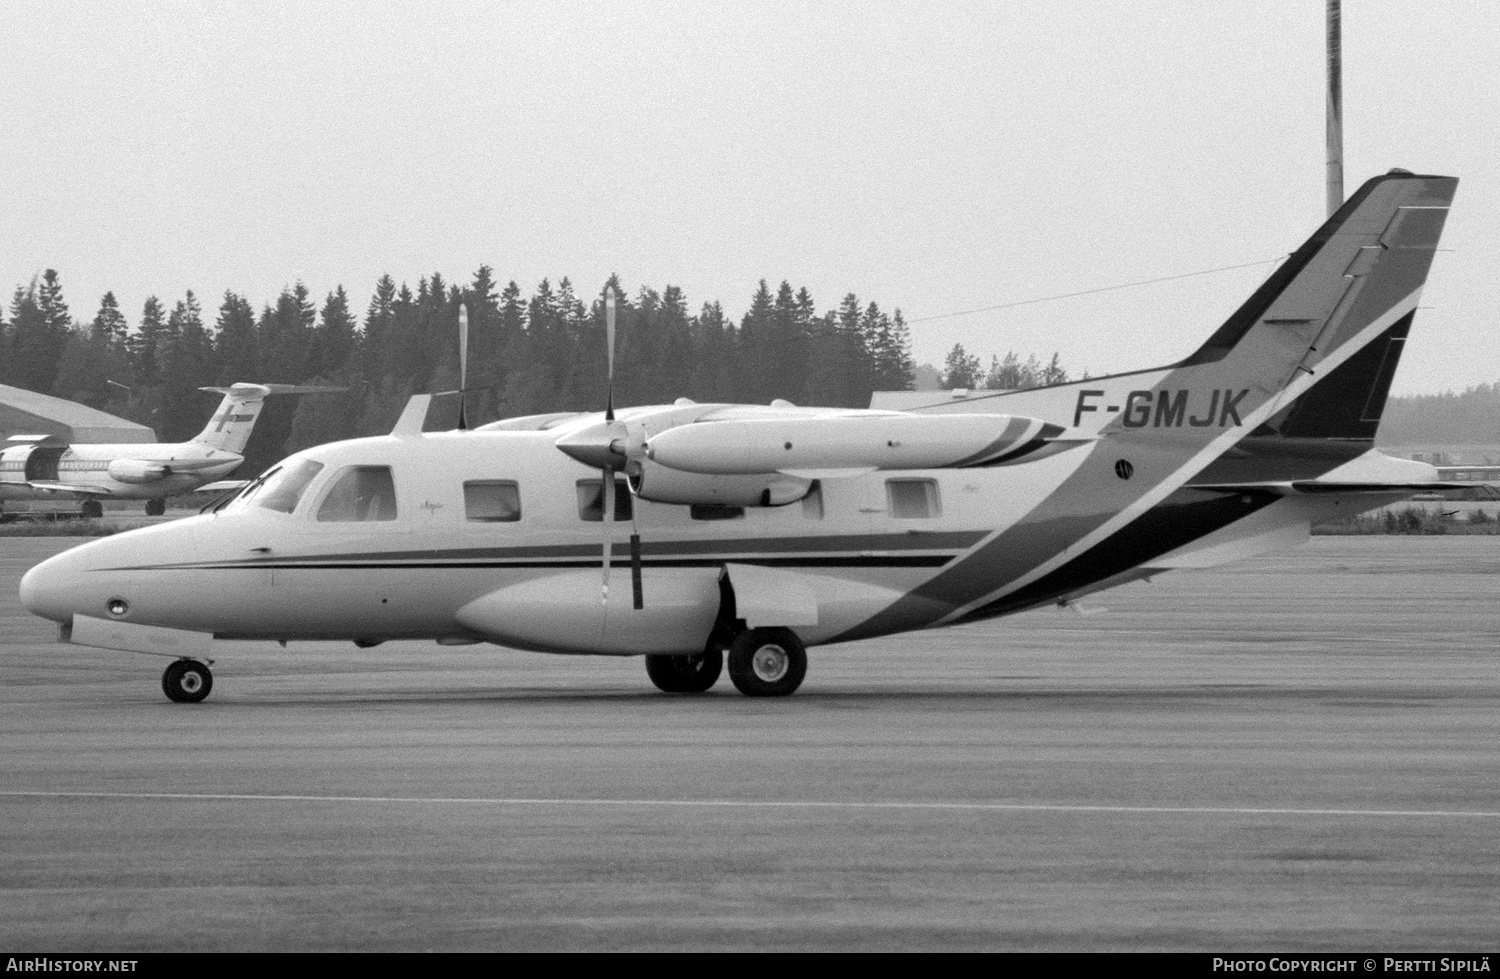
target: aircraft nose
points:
(48, 589)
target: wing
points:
(738, 440)
(71, 489)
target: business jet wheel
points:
(155, 508)
(685, 674)
(187, 681)
(92, 509)
(767, 662)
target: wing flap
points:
(1327, 487)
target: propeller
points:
(608, 469)
(463, 365)
(607, 487)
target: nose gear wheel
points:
(685, 674)
(187, 681)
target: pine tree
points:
(900, 367)
(840, 369)
(238, 354)
(145, 354)
(787, 350)
(1053, 373)
(333, 339)
(284, 336)
(715, 366)
(961, 369)
(110, 327)
(755, 380)
(485, 341)
(187, 365)
(39, 332)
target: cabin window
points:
(281, 488)
(912, 499)
(591, 500)
(360, 494)
(715, 511)
(812, 503)
(492, 501)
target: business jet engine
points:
(137, 471)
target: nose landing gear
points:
(685, 674)
(187, 681)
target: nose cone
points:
(49, 588)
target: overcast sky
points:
(934, 157)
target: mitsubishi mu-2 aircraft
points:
(695, 533)
(42, 466)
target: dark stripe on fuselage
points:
(850, 561)
(1015, 454)
(749, 550)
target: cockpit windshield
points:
(280, 488)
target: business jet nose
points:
(48, 589)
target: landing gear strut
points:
(187, 681)
(768, 662)
(685, 674)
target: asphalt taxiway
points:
(1301, 752)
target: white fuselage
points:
(824, 565)
(140, 471)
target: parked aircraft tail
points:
(1310, 355)
(1329, 324)
(230, 426)
(1282, 398)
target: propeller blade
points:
(607, 491)
(463, 364)
(609, 352)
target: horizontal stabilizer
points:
(40, 441)
(243, 390)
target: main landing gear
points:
(155, 508)
(91, 509)
(187, 681)
(767, 662)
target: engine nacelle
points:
(137, 471)
(660, 484)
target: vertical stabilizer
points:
(229, 428)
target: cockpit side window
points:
(360, 494)
(281, 487)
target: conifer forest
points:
(527, 354)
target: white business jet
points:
(761, 531)
(43, 466)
